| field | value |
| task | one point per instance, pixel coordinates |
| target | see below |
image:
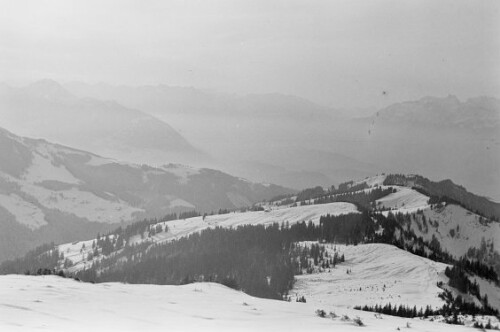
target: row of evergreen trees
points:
(360, 198)
(319, 193)
(401, 310)
(319, 196)
(140, 227)
(453, 307)
(477, 268)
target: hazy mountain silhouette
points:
(47, 110)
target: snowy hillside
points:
(193, 307)
(44, 182)
(77, 252)
(379, 274)
(405, 200)
(456, 228)
(53, 189)
(72, 181)
(367, 274)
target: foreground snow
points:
(51, 303)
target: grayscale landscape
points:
(249, 165)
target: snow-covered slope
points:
(372, 181)
(179, 228)
(49, 185)
(64, 179)
(183, 227)
(456, 228)
(55, 304)
(404, 200)
(379, 274)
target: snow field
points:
(50, 303)
(380, 274)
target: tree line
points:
(261, 261)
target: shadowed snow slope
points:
(55, 304)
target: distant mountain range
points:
(47, 110)
(49, 192)
(475, 114)
(439, 137)
(270, 137)
(273, 138)
(163, 99)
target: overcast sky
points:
(341, 53)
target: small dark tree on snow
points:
(321, 313)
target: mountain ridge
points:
(476, 114)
